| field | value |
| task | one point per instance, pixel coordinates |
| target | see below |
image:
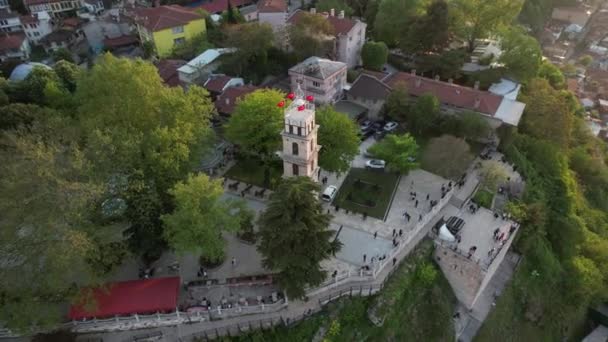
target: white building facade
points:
(36, 26)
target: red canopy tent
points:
(131, 297)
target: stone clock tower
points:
(300, 149)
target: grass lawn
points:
(366, 191)
(484, 198)
(250, 171)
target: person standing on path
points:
(364, 257)
(394, 261)
(233, 261)
(375, 235)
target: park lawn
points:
(250, 171)
(484, 198)
(372, 195)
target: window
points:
(316, 84)
(177, 29)
(295, 170)
(179, 41)
(299, 130)
(36, 34)
(290, 129)
(312, 144)
(294, 149)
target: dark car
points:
(366, 134)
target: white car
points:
(365, 125)
(390, 126)
(375, 164)
(329, 193)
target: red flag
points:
(301, 108)
(281, 104)
(291, 96)
(310, 98)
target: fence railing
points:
(137, 321)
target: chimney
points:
(413, 72)
(450, 81)
(418, 81)
(436, 77)
(477, 101)
(313, 10)
(476, 86)
(341, 15)
(332, 12)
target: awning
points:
(131, 297)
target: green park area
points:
(367, 192)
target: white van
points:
(329, 193)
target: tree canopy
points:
(295, 235)
(392, 17)
(428, 32)
(521, 54)
(200, 217)
(553, 74)
(312, 35)
(423, 115)
(399, 152)
(397, 104)
(374, 55)
(339, 140)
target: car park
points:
(390, 126)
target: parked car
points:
(366, 134)
(379, 135)
(390, 126)
(329, 193)
(375, 164)
(365, 125)
(378, 126)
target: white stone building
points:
(300, 149)
(55, 8)
(274, 13)
(14, 46)
(9, 21)
(36, 26)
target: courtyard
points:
(367, 192)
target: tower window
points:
(295, 169)
(294, 149)
(299, 130)
(290, 129)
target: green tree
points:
(68, 74)
(337, 5)
(399, 152)
(392, 17)
(191, 47)
(137, 128)
(200, 217)
(295, 235)
(428, 32)
(474, 126)
(256, 124)
(17, 115)
(63, 55)
(252, 41)
(553, 74)
(312, 35)
(585, 60)
(586, 279)
(476, 19)
(397, 103)
(424, 114)
(31, 89)
(521, 54)
(47, 230)
(374, 55)
(232, 15)
(339, 140)
(493, 174)
(547, 115)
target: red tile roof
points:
(28, 19)
(120, 41)
(272, 6)
(448, 93)
(219, 6)
(72, 22)
(163, 17)
(217, 84)
(341, 26)
(167, 69)
(11, 41)
(226, 102)
(144, 296)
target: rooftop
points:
(11, 41)
(316, 67)
(370, 87)
(163, 17)
(61, 35)
(226, 102)
(120, 41)
(272, 6)
(218, 6)
(203, 59)
(217, 84)
(340, 25)
(167, 69)
(353, 110)
(6, 14)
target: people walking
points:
(364, 257)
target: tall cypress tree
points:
(295, 237)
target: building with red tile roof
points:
(14, 46)
(219, 6)
(217, 84)
(226, 102)
(349, 34)
(163, 17)
(167, 69)
(272, 6)
(454, 98)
